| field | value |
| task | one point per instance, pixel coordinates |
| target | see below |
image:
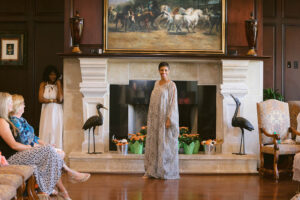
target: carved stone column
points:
(95, 90)
(234, 77)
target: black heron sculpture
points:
(241, 123)
(93, 122)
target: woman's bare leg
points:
(74, 176)
(62, 189)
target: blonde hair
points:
(4, 99)
(18, 100)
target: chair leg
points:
(275, 165)
(262, 162)
(31, 189)
(20, 192)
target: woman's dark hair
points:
(49, 69)
(163, 64)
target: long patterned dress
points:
(161, 153)
(46, 162)
(51, 122)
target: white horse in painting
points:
(180, 17)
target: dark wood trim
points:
(284, 60)
(259, 16)
(274, 56)
(67, 33)
(284, 14)
(50, 13)
(283, 41)
(282, 8)
(274, 51)
(195, 56)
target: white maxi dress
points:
(51, 122)
(161, 152)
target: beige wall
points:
(73, 120)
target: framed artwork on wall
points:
(164, 26)
(12, 48)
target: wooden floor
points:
(189, 187)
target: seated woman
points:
(48, 164)
(25, 131)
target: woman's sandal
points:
(63, 195)
(146, 177)
(74, 179)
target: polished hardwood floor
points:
(189, 187)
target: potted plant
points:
(182, 130)
(269, 93)
(188, 143)
(122, 146)
(210, 145)
(196, 139)
(137, 143)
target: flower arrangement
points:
(137, 137)
(143, 130)
(122, 145)
(137, 142)
(190, 143)
(120, 142)
(188, 138)
(210, 145)
(184, 130)
(211, 142)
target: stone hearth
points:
(87, 80)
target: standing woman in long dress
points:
(161, 153)
(51, 97)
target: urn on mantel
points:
(251, 33)
(76, 24)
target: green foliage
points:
(143, 130)
(269, 93)
(188, 138)
(184, 130)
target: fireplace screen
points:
(129, 108)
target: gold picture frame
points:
(153, 27)
(12, 48)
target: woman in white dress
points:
(51, 97)
(161, 153)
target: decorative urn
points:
(251, 33)
(76, 24)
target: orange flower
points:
(183, 127)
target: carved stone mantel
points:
(86, 83)
(98, 73)
(234, 78)
(94, 88)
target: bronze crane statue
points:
(241, 123)
(93, 122)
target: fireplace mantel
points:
(164, 56)
(87, 79)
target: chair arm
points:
(294, 131)
(274, 136)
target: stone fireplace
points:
(87, 81)
(129, 108)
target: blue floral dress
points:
(25, 131)
(46, 161)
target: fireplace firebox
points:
(129, 108)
